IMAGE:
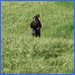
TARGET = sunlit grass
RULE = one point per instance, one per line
(52, 52)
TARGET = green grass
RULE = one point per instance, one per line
(52, 53)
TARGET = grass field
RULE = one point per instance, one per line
(52, 53)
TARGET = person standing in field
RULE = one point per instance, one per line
(36, 26)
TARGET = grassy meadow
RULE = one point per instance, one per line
(53, 52)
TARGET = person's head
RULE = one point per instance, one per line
(35, 18)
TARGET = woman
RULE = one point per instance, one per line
(36, 26)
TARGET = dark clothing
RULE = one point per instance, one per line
(36, 26)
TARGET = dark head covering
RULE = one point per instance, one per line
(38, 15)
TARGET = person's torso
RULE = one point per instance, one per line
(36, 24)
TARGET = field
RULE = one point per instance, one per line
(53, 52)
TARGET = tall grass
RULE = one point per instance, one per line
(52, 53)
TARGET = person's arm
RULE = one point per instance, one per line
(31, 24)
(40, 25)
